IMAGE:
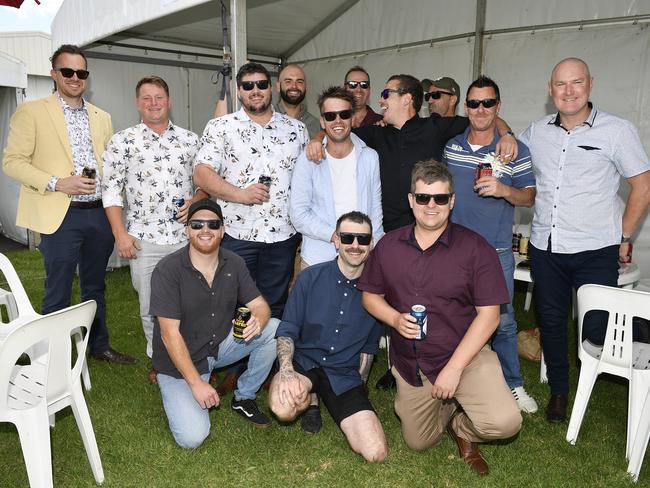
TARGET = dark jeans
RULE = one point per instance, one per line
(85, 239)
(555, 275)
(270, 265)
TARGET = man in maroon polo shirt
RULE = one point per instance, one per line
(456, 275)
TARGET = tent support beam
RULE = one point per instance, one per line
(238, 47)
(479, 30)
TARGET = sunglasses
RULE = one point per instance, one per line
(439, 198)
(487, 103)
(348, 238)
(261, 84)
(436, 95)
(331, 116)
(385, 93)
(82, 74)
(353, 84)
(198, 224)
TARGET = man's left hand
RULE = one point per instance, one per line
(181, 212)
(507, 148)
(446, 383)
(624, 253)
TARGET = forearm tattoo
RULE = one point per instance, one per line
(285, 350)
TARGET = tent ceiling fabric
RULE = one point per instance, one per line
(274, 26)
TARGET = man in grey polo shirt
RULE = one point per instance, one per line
(579, 232)
(292, 88)
(194, 293)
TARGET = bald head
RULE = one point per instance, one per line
(575, 63)
(292, 84)
(570, 88)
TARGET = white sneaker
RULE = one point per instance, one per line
(525, 402)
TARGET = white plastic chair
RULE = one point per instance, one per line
(32, 394)
(640, 443)
(618, 356)
(25, 312)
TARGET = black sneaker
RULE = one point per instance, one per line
(311, 421)
(248, 409)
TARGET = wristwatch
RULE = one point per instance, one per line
(625, 239)
(509, 133)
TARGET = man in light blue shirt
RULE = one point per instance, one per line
(346, 179)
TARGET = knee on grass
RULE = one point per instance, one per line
(373, 453)
(191, 439)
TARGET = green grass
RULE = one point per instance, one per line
(137, 449)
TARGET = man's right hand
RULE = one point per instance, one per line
(406, 325)
(290, 388)
(254, 194)
(127, 246)
(204, 394)
(76, 185)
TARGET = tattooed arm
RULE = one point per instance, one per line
(291, 389)
(365, 363)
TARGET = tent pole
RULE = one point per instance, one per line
(479, 30)
(238, 42)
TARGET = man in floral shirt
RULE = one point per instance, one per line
(487, 206)
(246, 160)
(151, 163)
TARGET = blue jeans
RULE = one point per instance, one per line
(84, 238)
(504, 340)
(188, 422)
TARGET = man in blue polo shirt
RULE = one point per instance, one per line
(487, 206)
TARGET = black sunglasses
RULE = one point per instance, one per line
(261, 84)
(331, 116)
(82, 74)
(385, 93)
(439, 198)
(348, 238)
(198, 224)
(353, 84)
(487, 103)
(436, 95)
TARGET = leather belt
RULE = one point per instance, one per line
(86, 205)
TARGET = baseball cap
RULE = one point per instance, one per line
(426, 84)
(205, 204)
(447, 83)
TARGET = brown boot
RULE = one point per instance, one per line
(470, 453)
(228, 384)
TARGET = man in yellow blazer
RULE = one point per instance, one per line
(54, 149)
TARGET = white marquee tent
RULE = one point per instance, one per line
(516, 42)
(13, 80)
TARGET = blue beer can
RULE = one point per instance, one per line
(177, 202)
(420, 314)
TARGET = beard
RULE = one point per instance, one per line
(292, 100)
(202, 247)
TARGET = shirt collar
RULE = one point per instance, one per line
(409, 236)
(64, 104)
(339, 276)
(590, 120)
(278, 108)
(187, 262)
(146, 128)
(242, 116)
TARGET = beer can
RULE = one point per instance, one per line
(265, 180)
(242, 316)
(483, 169)
(420, 314)
(515, 242)
(177, 202)
(89, 172)
(523, 246)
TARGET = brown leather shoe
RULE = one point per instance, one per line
(110, 355)
(556, 408)
(228, 384)
(470, 453)
(153, 376)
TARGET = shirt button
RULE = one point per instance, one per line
(337, 331)
(339, 282)
(324, 359)
(557, 187)
(212, 314)
(332, 348)
(345, 294)
(212, 293)
(341, 312)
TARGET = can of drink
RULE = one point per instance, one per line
(523, 246)
(265, 180)
(420, 314)
(515, 242)
(89, 172)
(482, 169)
(177, 202)
(242, 316)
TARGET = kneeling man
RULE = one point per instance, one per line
(326, 341)
(194, 293)
(455, 274)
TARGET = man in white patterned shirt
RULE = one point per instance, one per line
(151, 163)
(246, 160)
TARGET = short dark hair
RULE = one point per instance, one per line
(356, 68)
(335, 92)
(356, 217)
(484, 82)
(67, 49)
(431, 171)
(252, 68)
(152, 80)
(410, 84)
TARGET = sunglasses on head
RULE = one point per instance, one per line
(353, 84)
(439, 198)
(487, 103)
(436, 95)
(261, 84)
(198, 224)
(385, 93)
(331, 116)
(82, 74)
(348, 238)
